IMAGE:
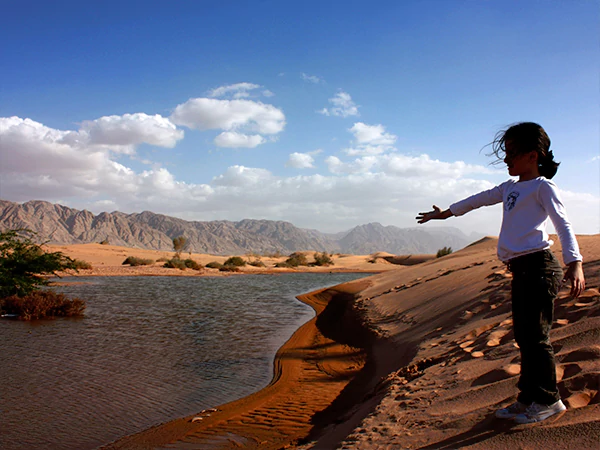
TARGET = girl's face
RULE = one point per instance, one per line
(522, 165)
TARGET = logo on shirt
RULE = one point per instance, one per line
(511, 200)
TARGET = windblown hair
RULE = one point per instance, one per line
(526, 137)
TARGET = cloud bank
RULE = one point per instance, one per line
(370, 180)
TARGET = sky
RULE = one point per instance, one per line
(325, 114)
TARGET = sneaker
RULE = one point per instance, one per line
(511, 411)
(536, 412)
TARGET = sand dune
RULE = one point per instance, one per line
(416, 357)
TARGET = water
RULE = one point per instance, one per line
(149, 349)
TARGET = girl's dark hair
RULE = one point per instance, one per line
(526, 137)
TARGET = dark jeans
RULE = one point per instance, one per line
(536, 281)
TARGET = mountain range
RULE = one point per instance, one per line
(59, 224)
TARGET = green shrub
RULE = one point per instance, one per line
(443, 252)
(322, 259)
(297, 259)
(41, 304)
(229, 268)
(191, 264)
(24, 265)
(257, 263)
(176, 263)
(236, 261)
(214, 265)
(135, 261)
(80, 264)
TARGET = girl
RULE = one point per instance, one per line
(524, 246)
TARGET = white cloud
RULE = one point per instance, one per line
(372, 134)
(233, 139)
(238, 90)
(311, 78)
(132, 129)
(38, 162)
(300, 161)
(229, 115)
(343, 106)
(370, 140)
(267, 93)
(240, 176)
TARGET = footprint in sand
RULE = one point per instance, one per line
(582, 354)
(583, 382)
(496, 375)
(581, 390)
(565, 371)
(581, 399)
(466, 344)
(495, 338)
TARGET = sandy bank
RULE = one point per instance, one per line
(107, 260)
(446, 360)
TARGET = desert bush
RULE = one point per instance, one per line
(176, 263)
(283, 264)
(257, 263)
(297, 259)
(236, 261)
(81, 264)
(214, 265)
(104, 242)
(443, 252)
(24, 265)
(191, 264)
(135, 261)
(322, 259)
(41, 304)
(163, 259)
(229, 268)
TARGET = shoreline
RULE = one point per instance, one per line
(285, 411)
(106, 260)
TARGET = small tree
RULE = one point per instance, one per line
(179, 244)
(322, 259)
(443, 252)
(23, 263)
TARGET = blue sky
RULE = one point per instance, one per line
(327, 114)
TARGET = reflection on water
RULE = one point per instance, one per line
(149, 349)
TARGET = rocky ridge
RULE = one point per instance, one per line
(63, 225)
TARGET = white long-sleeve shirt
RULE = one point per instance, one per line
(527, 206)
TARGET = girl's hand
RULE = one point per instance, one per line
(575, 276)
(437, 213)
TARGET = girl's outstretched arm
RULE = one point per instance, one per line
(436, 214)
(575, 275)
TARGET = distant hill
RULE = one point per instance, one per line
(62, 225)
